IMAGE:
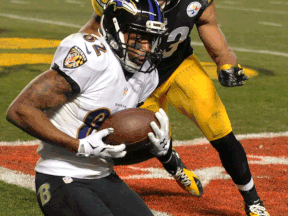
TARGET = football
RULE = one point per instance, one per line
(131, 127)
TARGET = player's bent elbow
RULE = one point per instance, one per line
(11, 113)
(14, 113)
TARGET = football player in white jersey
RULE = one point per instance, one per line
(90, 78)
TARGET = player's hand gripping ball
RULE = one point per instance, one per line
(160, 138)
(93, 146)
(131, 127)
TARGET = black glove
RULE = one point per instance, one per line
(230, 76)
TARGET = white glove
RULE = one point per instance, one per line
(94, 146)
(161, 142)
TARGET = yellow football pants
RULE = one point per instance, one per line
(190, 90)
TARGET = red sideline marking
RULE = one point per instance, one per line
(268, 160)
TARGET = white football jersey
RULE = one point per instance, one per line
(96, 75)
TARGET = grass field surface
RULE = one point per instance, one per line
(257, 31)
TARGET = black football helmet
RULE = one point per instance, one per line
(143, 18)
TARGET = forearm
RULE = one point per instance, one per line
(225, 56)
(34, 122)
(214, 39)
(218, 48)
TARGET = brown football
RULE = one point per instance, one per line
(131, 127)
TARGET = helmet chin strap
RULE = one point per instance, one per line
(101, 30)
(108, 37)
(155, 43)
(121, 49)
(167, 2)
(115, 46)
(117, 28)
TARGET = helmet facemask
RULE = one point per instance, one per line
(164, 3)
(132, 39)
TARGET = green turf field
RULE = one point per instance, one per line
(256, 30)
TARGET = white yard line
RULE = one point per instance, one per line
(204, 141)
(17, 178)
(230, 2)
(19, 2)
(253, 10)
(75, 2)
(81, 4)
(270, 24)
(197, 141)
(268, 52)
(20, 143)
(51, 22)
(278, 3)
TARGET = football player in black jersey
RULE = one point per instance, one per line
(185, 84)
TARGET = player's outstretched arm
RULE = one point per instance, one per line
(213, 38)
(46, 91)
(219, 49)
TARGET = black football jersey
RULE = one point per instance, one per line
(180, 22)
